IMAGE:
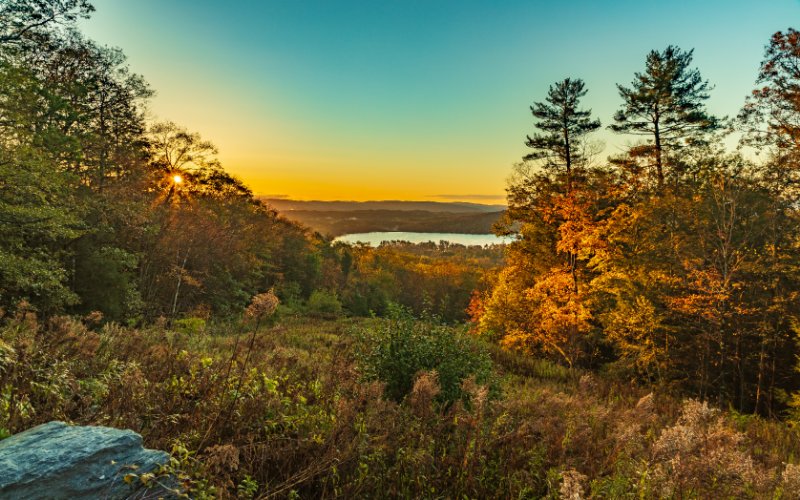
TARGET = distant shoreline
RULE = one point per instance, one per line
(284, 205)
(378, 237)
(338, 218)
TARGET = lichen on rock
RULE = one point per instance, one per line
(56, 460)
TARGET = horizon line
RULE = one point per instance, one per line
(286, 198)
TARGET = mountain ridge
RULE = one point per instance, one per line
(287, 205)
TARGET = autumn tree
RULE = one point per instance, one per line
(771, 115)
(175, 149)
(541, 301)
(83, 221)
(24, 18)
(543, 190)
(692, 287)
(771, 122)
(538, 304)
(562, 125)
(665, 103)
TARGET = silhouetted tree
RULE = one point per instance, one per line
(21, 18)
(667, 103)
(563, 127)
(771, 114)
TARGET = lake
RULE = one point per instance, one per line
(375, 239)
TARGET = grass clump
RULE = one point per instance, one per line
(398, 350)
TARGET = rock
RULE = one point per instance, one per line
(56, 460)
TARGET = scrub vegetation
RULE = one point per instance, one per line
(636, 339)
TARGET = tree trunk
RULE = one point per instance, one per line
(659, 164)
(178, 286)
(568, 157)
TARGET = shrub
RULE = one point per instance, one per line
(395, 351)
(262, 305)
(283, 413)
(190, 326)
(324, 304)
(290, 294)
(701, 455)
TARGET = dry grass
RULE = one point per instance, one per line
(296, 419)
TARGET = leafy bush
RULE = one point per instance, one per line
(324, 304)
(290, 294)
(396, 351)
(190, 326)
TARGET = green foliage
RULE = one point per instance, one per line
(323, 303)
(38, 215)
(291, 412)
(667, 104)
(397, 350)
(90, 215)
(22, 19)
(105, 280)
(190, 326)
(562, 126)
(368, 295)
(247, 488)
(290, 294)
(426, 278)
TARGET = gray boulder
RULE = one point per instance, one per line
(56, 460)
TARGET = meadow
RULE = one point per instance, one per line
(295, 407)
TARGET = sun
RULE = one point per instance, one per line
(177, 179)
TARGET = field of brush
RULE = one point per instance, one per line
(299, 407)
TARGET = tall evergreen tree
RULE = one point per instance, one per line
(666, 103)
(563, 126)
(771, 115)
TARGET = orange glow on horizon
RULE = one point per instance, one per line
(344, 181)
(286, 187)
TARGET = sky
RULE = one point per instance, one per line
(412, 99)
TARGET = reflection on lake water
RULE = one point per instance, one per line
(376, 238)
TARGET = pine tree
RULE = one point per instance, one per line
(771, 116)
(667, 103)
(563, 127)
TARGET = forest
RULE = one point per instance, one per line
(638, 338)
(340, 218)
(338, 223)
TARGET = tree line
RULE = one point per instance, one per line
(101, 209)
(675, 262)
(104, 210)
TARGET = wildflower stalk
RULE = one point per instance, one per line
(261, 306)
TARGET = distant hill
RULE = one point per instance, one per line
(335, 218)
(283, 205)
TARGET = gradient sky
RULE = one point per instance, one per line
(414, 99)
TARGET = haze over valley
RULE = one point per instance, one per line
(337, 218)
